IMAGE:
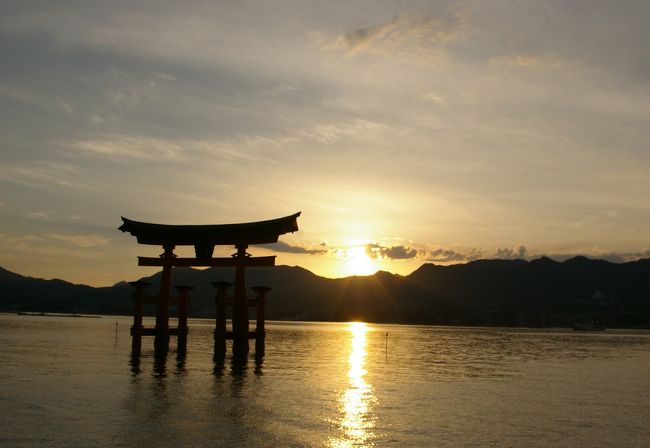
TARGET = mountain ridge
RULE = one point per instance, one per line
(539, 292)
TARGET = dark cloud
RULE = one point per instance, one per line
(445, 255)
(358, 36)
(614, 257)
(391, 253)
(507, 253)
(621, 257)
(281, 246)
(442, 255)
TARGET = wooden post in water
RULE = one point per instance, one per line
(240, 304)
(161, 341)
(138, 311)
(260, 332)
(261, 309)
(220, 324)
(183, 302)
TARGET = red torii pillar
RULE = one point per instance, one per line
(183, 304)
(260, 332)
(161, 341)
(240, 305)
(138, 311)
(220, 301)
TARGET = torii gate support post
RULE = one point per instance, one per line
(220, 301)
(138, 311)
(260, 332)
(240, 305)
(183, 302)
(161, 341)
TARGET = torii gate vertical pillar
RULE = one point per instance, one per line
(260, 332)
(220, 325)
(240, 305)
(183, 305)
(138, 311)
(161, 341)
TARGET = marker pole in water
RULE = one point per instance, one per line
(386, 346)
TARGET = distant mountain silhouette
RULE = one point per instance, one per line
(541, 292)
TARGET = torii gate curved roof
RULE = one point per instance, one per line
(260, 232)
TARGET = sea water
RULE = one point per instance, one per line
(71, 382)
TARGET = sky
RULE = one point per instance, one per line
(405, 132)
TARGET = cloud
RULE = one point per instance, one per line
(445, 255)
(37, 99)
(391, 253)
(436, 99)
(613, 256)
(622, 257)
(129, 147)
(42, 216)
(29, 246)
(525, 61)
(40, 173)
(266, 148)
(281, 246)
(82, 240)
(507, 253)
(442, 255)
(244, 148)
(420, 36)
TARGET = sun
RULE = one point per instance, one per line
(357, 262)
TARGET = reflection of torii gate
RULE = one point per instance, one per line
(204, 238)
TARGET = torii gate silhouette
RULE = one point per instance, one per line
(204, 238)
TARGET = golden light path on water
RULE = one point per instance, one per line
(356, 423)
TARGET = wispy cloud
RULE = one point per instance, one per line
(37, 99)
(242, 148)
(41, 173)
(436, 99)
(417, 36)
(29, 246)
(261, 147)
(82, 240)
(132, 148)
(281, 246)
(525, 61)
(42, 216)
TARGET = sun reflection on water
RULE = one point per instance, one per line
(356, 422)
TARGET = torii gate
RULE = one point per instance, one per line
(204, 238)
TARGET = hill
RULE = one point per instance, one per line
(541, 292)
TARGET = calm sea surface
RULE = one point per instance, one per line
(69, 382)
